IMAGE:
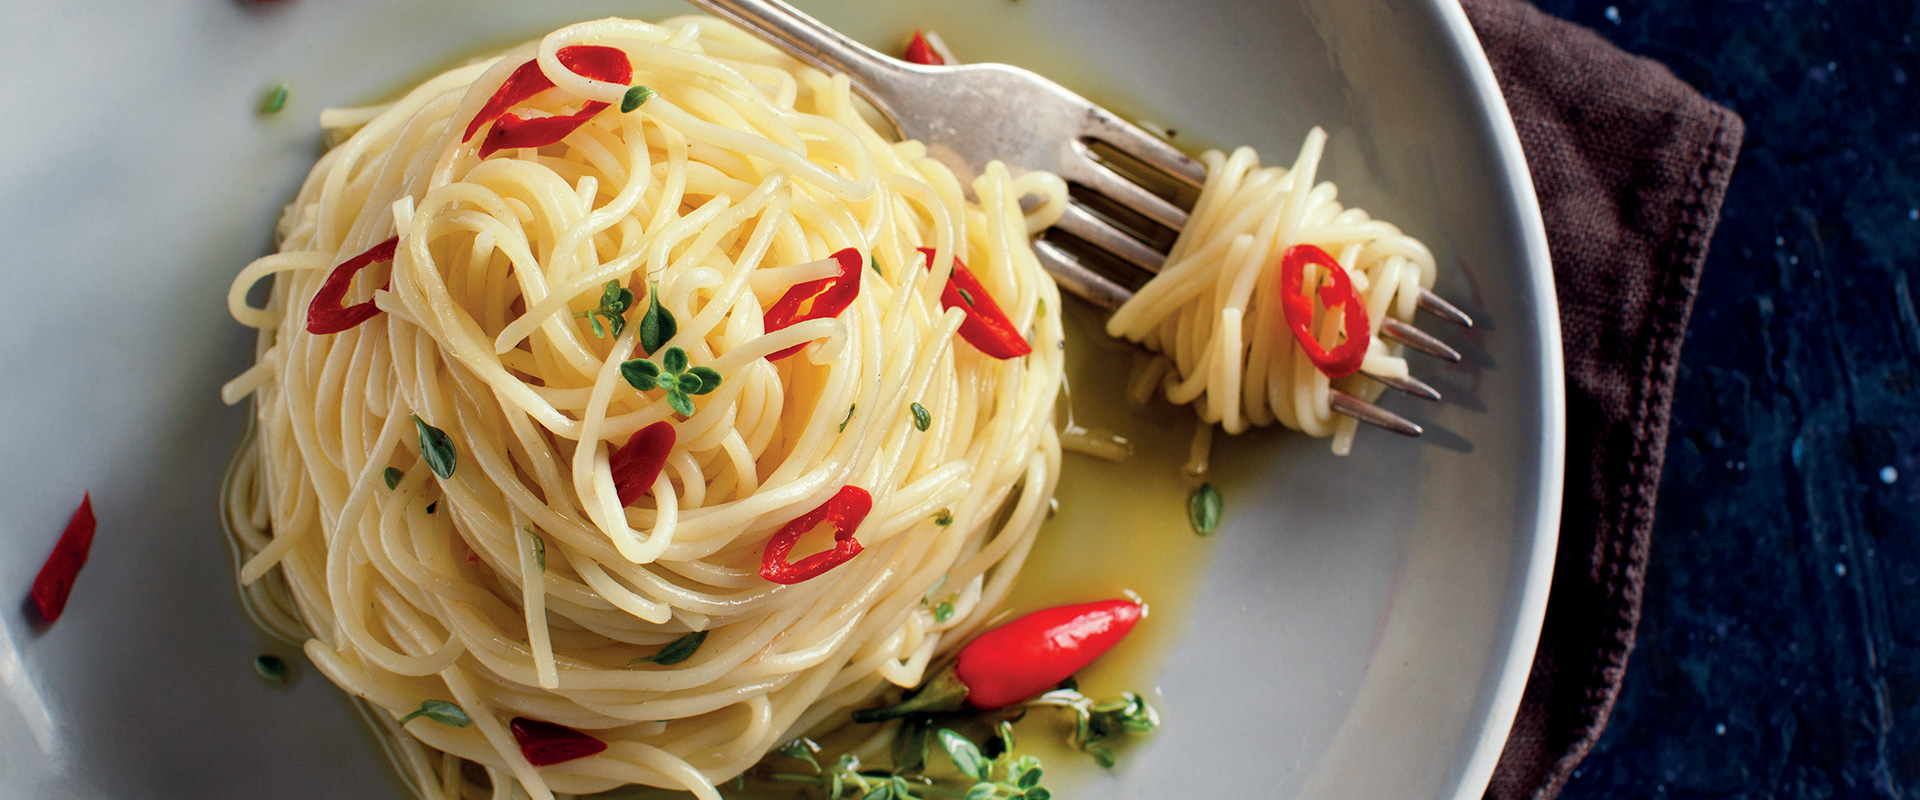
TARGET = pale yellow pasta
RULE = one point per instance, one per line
(1214, 312)
(720, 193)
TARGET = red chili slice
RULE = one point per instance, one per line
(844, 511)
(1345, 358)
(55, 581)
(637, 465)
(592, 61)
(987, 328)
(324, 314)
(830, 296)
(545, 744)
(919, 51)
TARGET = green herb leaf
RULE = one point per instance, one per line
(679, 401)
(1037, 793)
(921, 416)
(944, 518)
(910, 746)
(271, 668)
(1004, 736)
(393, 476)
(709, 379)
(674, 361)
(439, 711)
(690, 383)
(1025, 772)
(848, 418)
(983, 791)
(657, 326)
(276, 99)
(1203, 509)
(846, 766)
(614, 302)
(942, 611)
(965, 756)
(437, 448)
(965, 296)
(1102, 754)
(539, 548)
(640, 373)
(635, 97)
(883, 791)
(677, 651)
(802, 749)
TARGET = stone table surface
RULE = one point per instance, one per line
(1779, 652)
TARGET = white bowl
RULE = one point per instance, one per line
(1364, 630)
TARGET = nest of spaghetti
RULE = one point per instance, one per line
(572, 365)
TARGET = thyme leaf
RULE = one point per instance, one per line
(1203, 509)
(437, 447)
(439, 711)
(676, 651)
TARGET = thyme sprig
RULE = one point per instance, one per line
(673, 374)
(994, 772)
(614, 302)
(1095, 723)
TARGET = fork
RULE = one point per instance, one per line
(970, 114)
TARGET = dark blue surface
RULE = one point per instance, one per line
(1779, 651)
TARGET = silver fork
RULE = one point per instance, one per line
(971, 114)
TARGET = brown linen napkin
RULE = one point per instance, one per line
(1630, 165)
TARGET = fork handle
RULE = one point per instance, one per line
(872, 74)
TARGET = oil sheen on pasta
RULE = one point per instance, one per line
(432, 590)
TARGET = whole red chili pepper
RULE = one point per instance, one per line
(324, 314)
(55, 581)
(545, 743)
(986, 327)
(844, 511)
(1345, 358)
(920, 52)
(636, 466)
(830, 295)
(592, 61)
(1020, 659)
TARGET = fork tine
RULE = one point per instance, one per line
(1418, 339)
(1148, 149)
(1409, 384)
(1439, 307)
(1090, 174)
(1077, 279)
(1371, 414)
(1095, 231)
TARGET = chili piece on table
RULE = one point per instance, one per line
(1020, 659)
(830, 295)
(55, 582)
(599, 63)
(986, 327)
(844, 511)
(1344, 358)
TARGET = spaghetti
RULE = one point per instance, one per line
(499, 570)
(1215, 311)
